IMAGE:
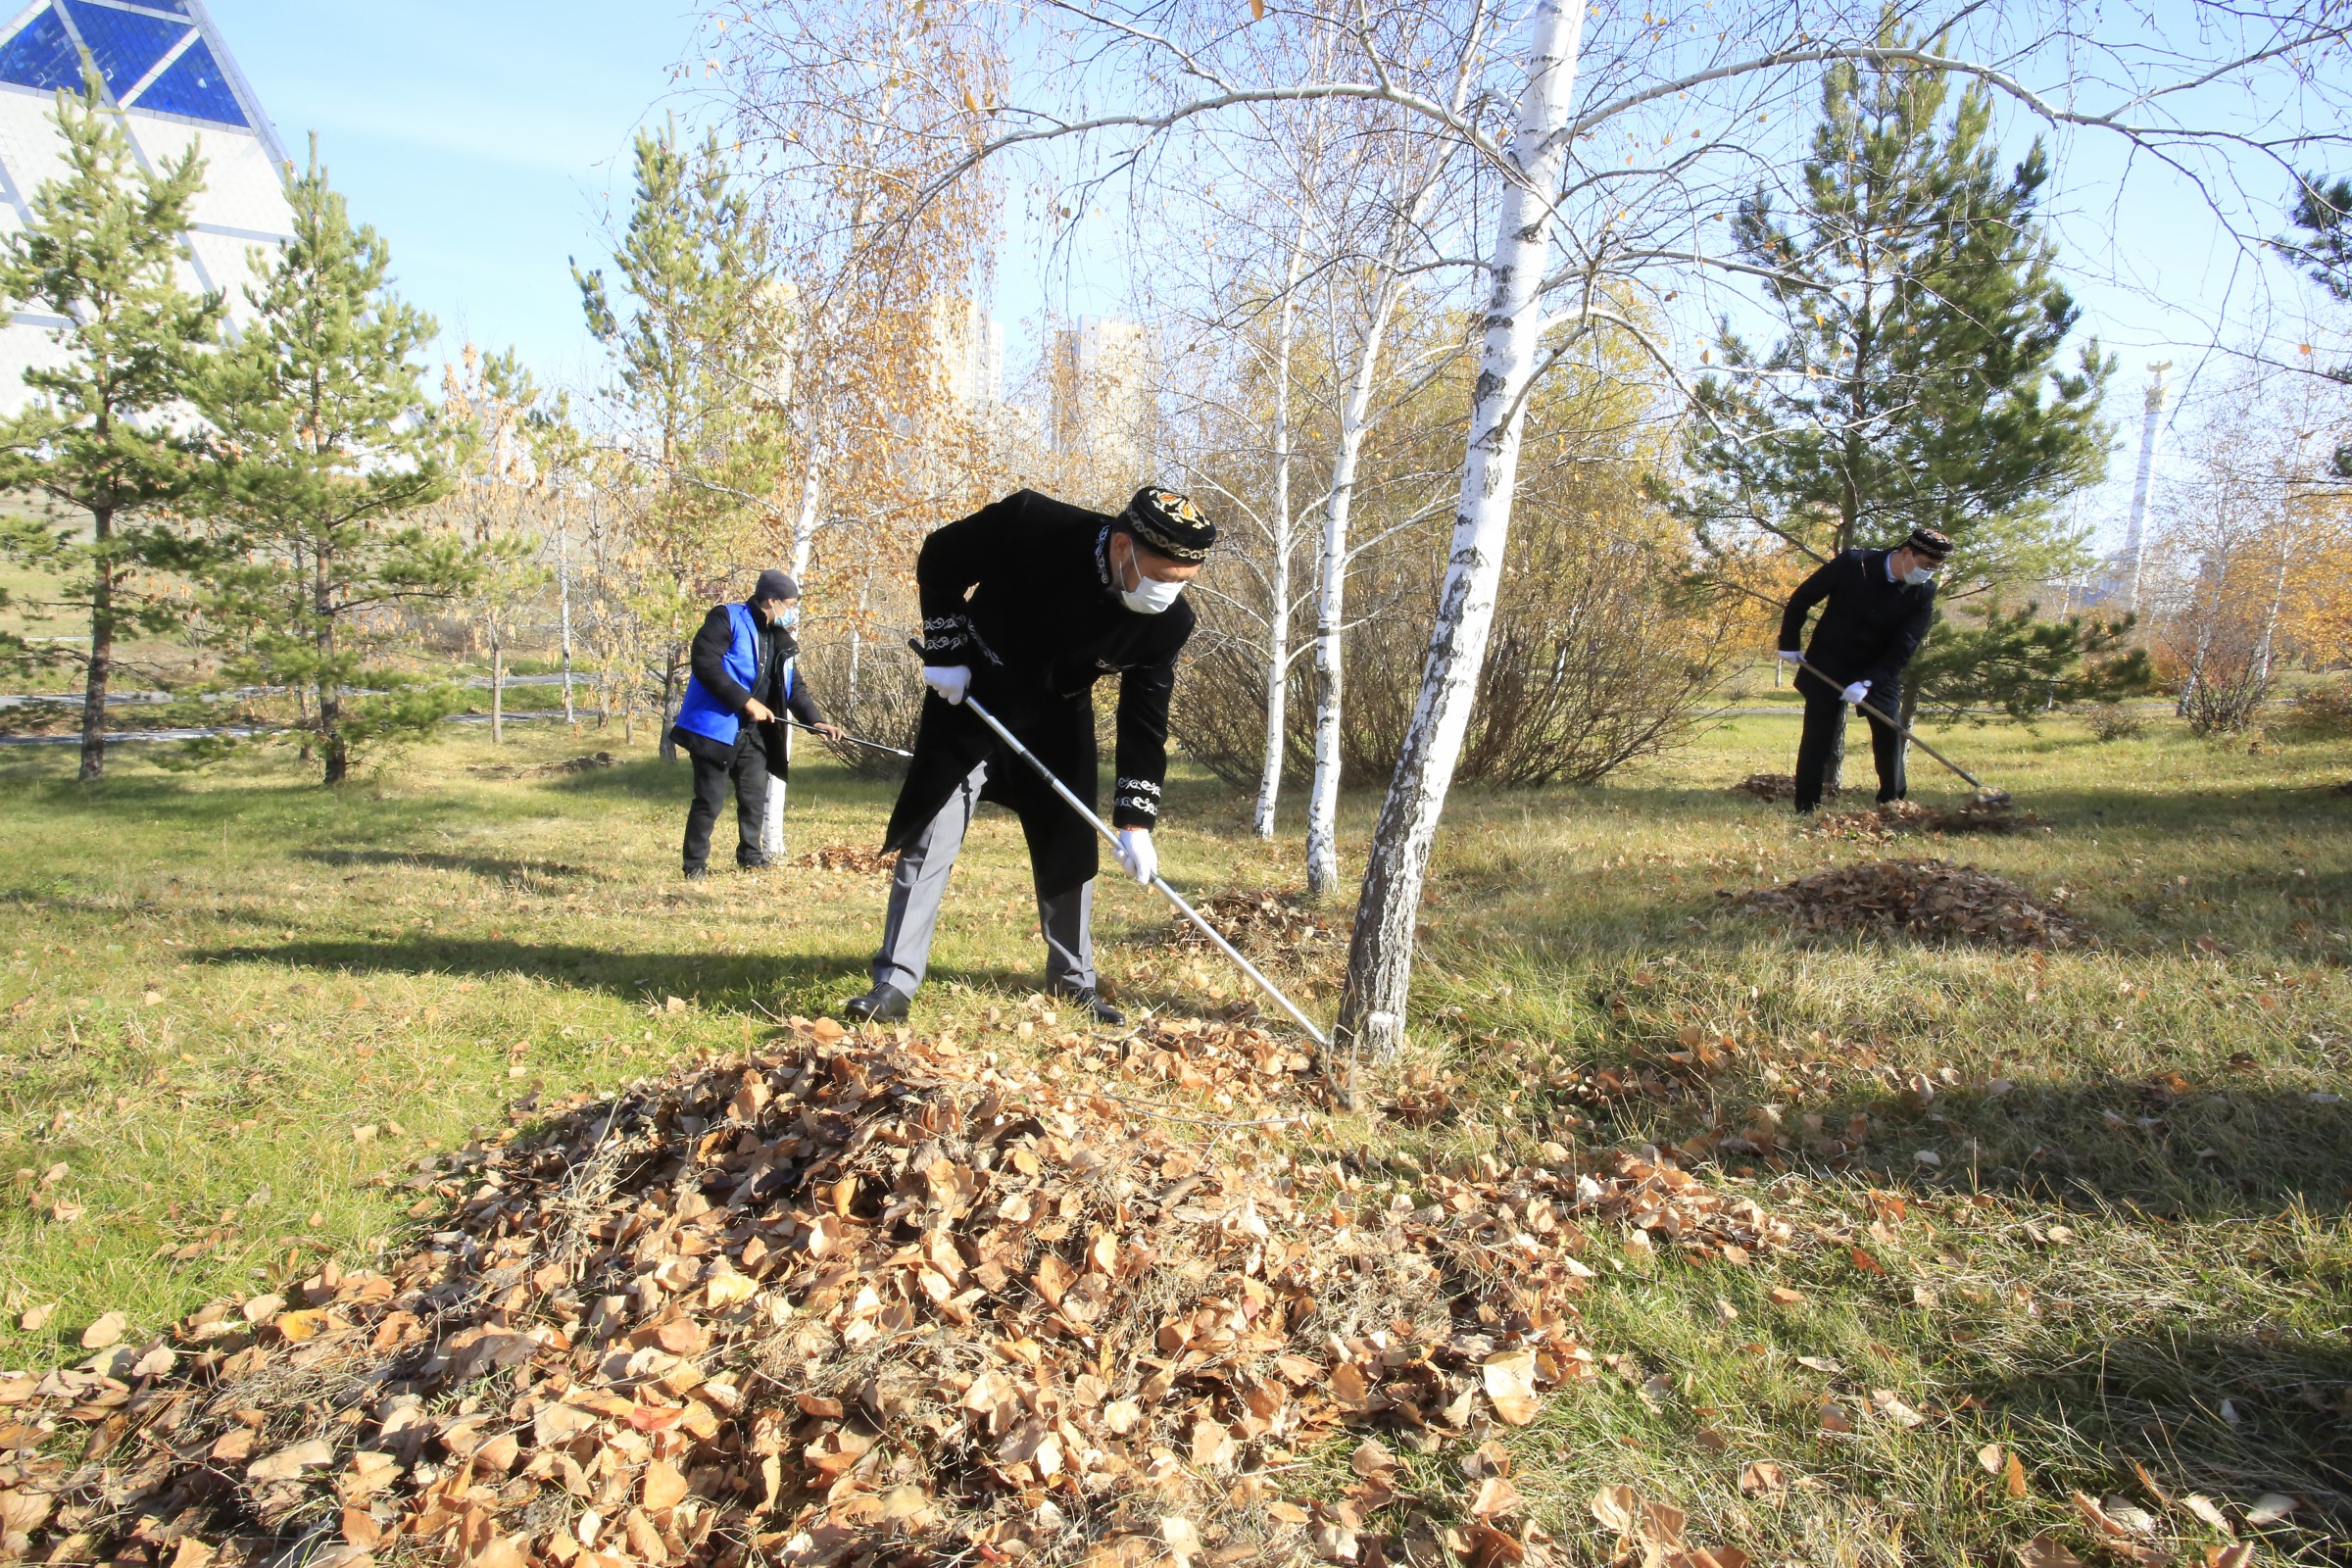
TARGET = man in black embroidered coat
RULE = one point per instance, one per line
(1880, 606)
(1026, 603)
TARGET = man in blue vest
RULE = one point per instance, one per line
(743, 678)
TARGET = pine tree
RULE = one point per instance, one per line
(2323, 212)
(328, 443)
(103, 435)
(1917, 377)
(695, 358)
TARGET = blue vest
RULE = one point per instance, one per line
(706, 715)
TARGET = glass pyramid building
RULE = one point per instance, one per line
(169, 75)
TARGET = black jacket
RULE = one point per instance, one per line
(708, 658)
(1020, 591)
(1872, 625)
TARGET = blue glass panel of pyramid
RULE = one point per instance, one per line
(178, 7)
(40, 55)
(194, 86)
(125, 44)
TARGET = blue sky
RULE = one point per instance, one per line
(479, 139)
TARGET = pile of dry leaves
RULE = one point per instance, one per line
(1921, 898)
(867, 1298)
(849, 858)
(1775, 787)
(1897, 817)
(1271, 927)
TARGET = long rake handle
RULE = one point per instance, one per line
(1160, 882)
(876, 746)
(1897, 725)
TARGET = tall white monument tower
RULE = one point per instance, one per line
(2136, 529)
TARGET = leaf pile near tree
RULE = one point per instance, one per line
(1775, 787)
(1894, 819)
(1933, 898)
(869, 1299)
(1267, 926)
(850, 858)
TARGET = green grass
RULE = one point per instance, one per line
(2130, 1248)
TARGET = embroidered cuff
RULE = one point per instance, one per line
(944, 635)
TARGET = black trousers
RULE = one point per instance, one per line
(746, 773)
(1824, 717)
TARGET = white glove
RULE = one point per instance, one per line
(1856, 692)
(1137, 853)
(950, 681)
(1790, 656)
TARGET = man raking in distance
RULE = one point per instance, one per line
(731, 724)
(1026, 603)
(1880, 606)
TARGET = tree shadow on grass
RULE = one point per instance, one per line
(491, 867)
(747, 982)
(2202, 1153)
(2234, 1415)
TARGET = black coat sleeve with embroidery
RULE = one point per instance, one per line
(1141, 756)
(947, 569)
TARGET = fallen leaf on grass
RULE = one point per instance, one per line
(2237, 1557)
(107, 1331)
(1763, 1479)
(1497, 1499)
(1510, 1379)
(2043, 1553)
(1784, 1295)
(2206, 1509)
(287, 1463)
(1617, 1509)
(1886, 1402)
(2270, 1507)
(37, 1319)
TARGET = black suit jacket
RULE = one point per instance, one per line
(1020, 591)
(1871, 626)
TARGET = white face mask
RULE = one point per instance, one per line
(1149, 595)
(1920, 576)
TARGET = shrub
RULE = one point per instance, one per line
(2111, 721)
(2325, 711)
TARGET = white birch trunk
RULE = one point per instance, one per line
(1380, 954)
(804, 542)
(1331, 597)
(1278, 581)
(563, 593)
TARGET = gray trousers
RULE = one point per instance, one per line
(920, 882)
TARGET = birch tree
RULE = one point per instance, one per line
(690, 327)
(1380, 950)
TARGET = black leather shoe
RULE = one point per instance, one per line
(882, 1004)
(698, 874)
(1090, 1000)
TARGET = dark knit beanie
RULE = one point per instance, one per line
(774, 584)
(1166, 523)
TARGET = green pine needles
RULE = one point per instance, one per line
(1919, 378)
(108, 431)
(325, 442)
